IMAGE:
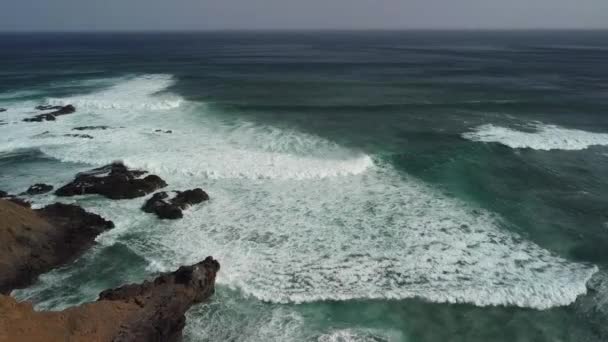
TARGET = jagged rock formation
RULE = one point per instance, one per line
(114, 181)
(166, 208)
(152, 311)
(38, 189)
(35, 241)
(52, 116)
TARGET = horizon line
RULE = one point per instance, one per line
(540, 29)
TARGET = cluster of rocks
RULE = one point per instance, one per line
(116, 181)
(36, 241)
(52, 116)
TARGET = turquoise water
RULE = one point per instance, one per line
(365, 186)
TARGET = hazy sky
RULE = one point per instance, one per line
(60, 15)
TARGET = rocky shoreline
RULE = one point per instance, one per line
(35, 241)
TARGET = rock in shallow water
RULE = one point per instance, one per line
(84, 136)
(59, 110)
(38, 189)
(90, 128)
(35, 241)
(114, 181)
(152, 311)
(166, 208)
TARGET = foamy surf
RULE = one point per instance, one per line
(296, 218)
(131, 93)
(544, 137)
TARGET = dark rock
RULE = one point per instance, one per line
(48, 107)
(114, 181)
(164, 302)
(40, 118)
(90, 128)
(59, 110)
(35, 241)
(38, 189)
(2, 110)
(171, 209)
(84, 136)
(153, 311)
(162, 131)
(3, 194)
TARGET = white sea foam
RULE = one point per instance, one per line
(134, 93)
(544, 137)
(360, 335)
(297, 218)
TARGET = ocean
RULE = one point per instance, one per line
(365, 186)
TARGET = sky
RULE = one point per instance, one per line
(119, 15)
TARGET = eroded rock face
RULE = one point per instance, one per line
(52, 116)
(152, 311)
(15, 199)
(171, 208)
(35, 241)
(38, 189)
(114, 181)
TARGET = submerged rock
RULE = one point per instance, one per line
(171, 209)
(84, 136)
(90, 128)
(35, 241)
(2, 110)
(38, 189)
(48, 107)
(114, 181)
(152, 311)
(58, 111)
(164, 131)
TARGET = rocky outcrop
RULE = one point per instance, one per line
(114, 181)
(38, 189)
(163, 131)
(35, 241)
(12, 198)
(52, 116)
(2, 110)
(171, 208)
(152, 311)
(90, 128)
